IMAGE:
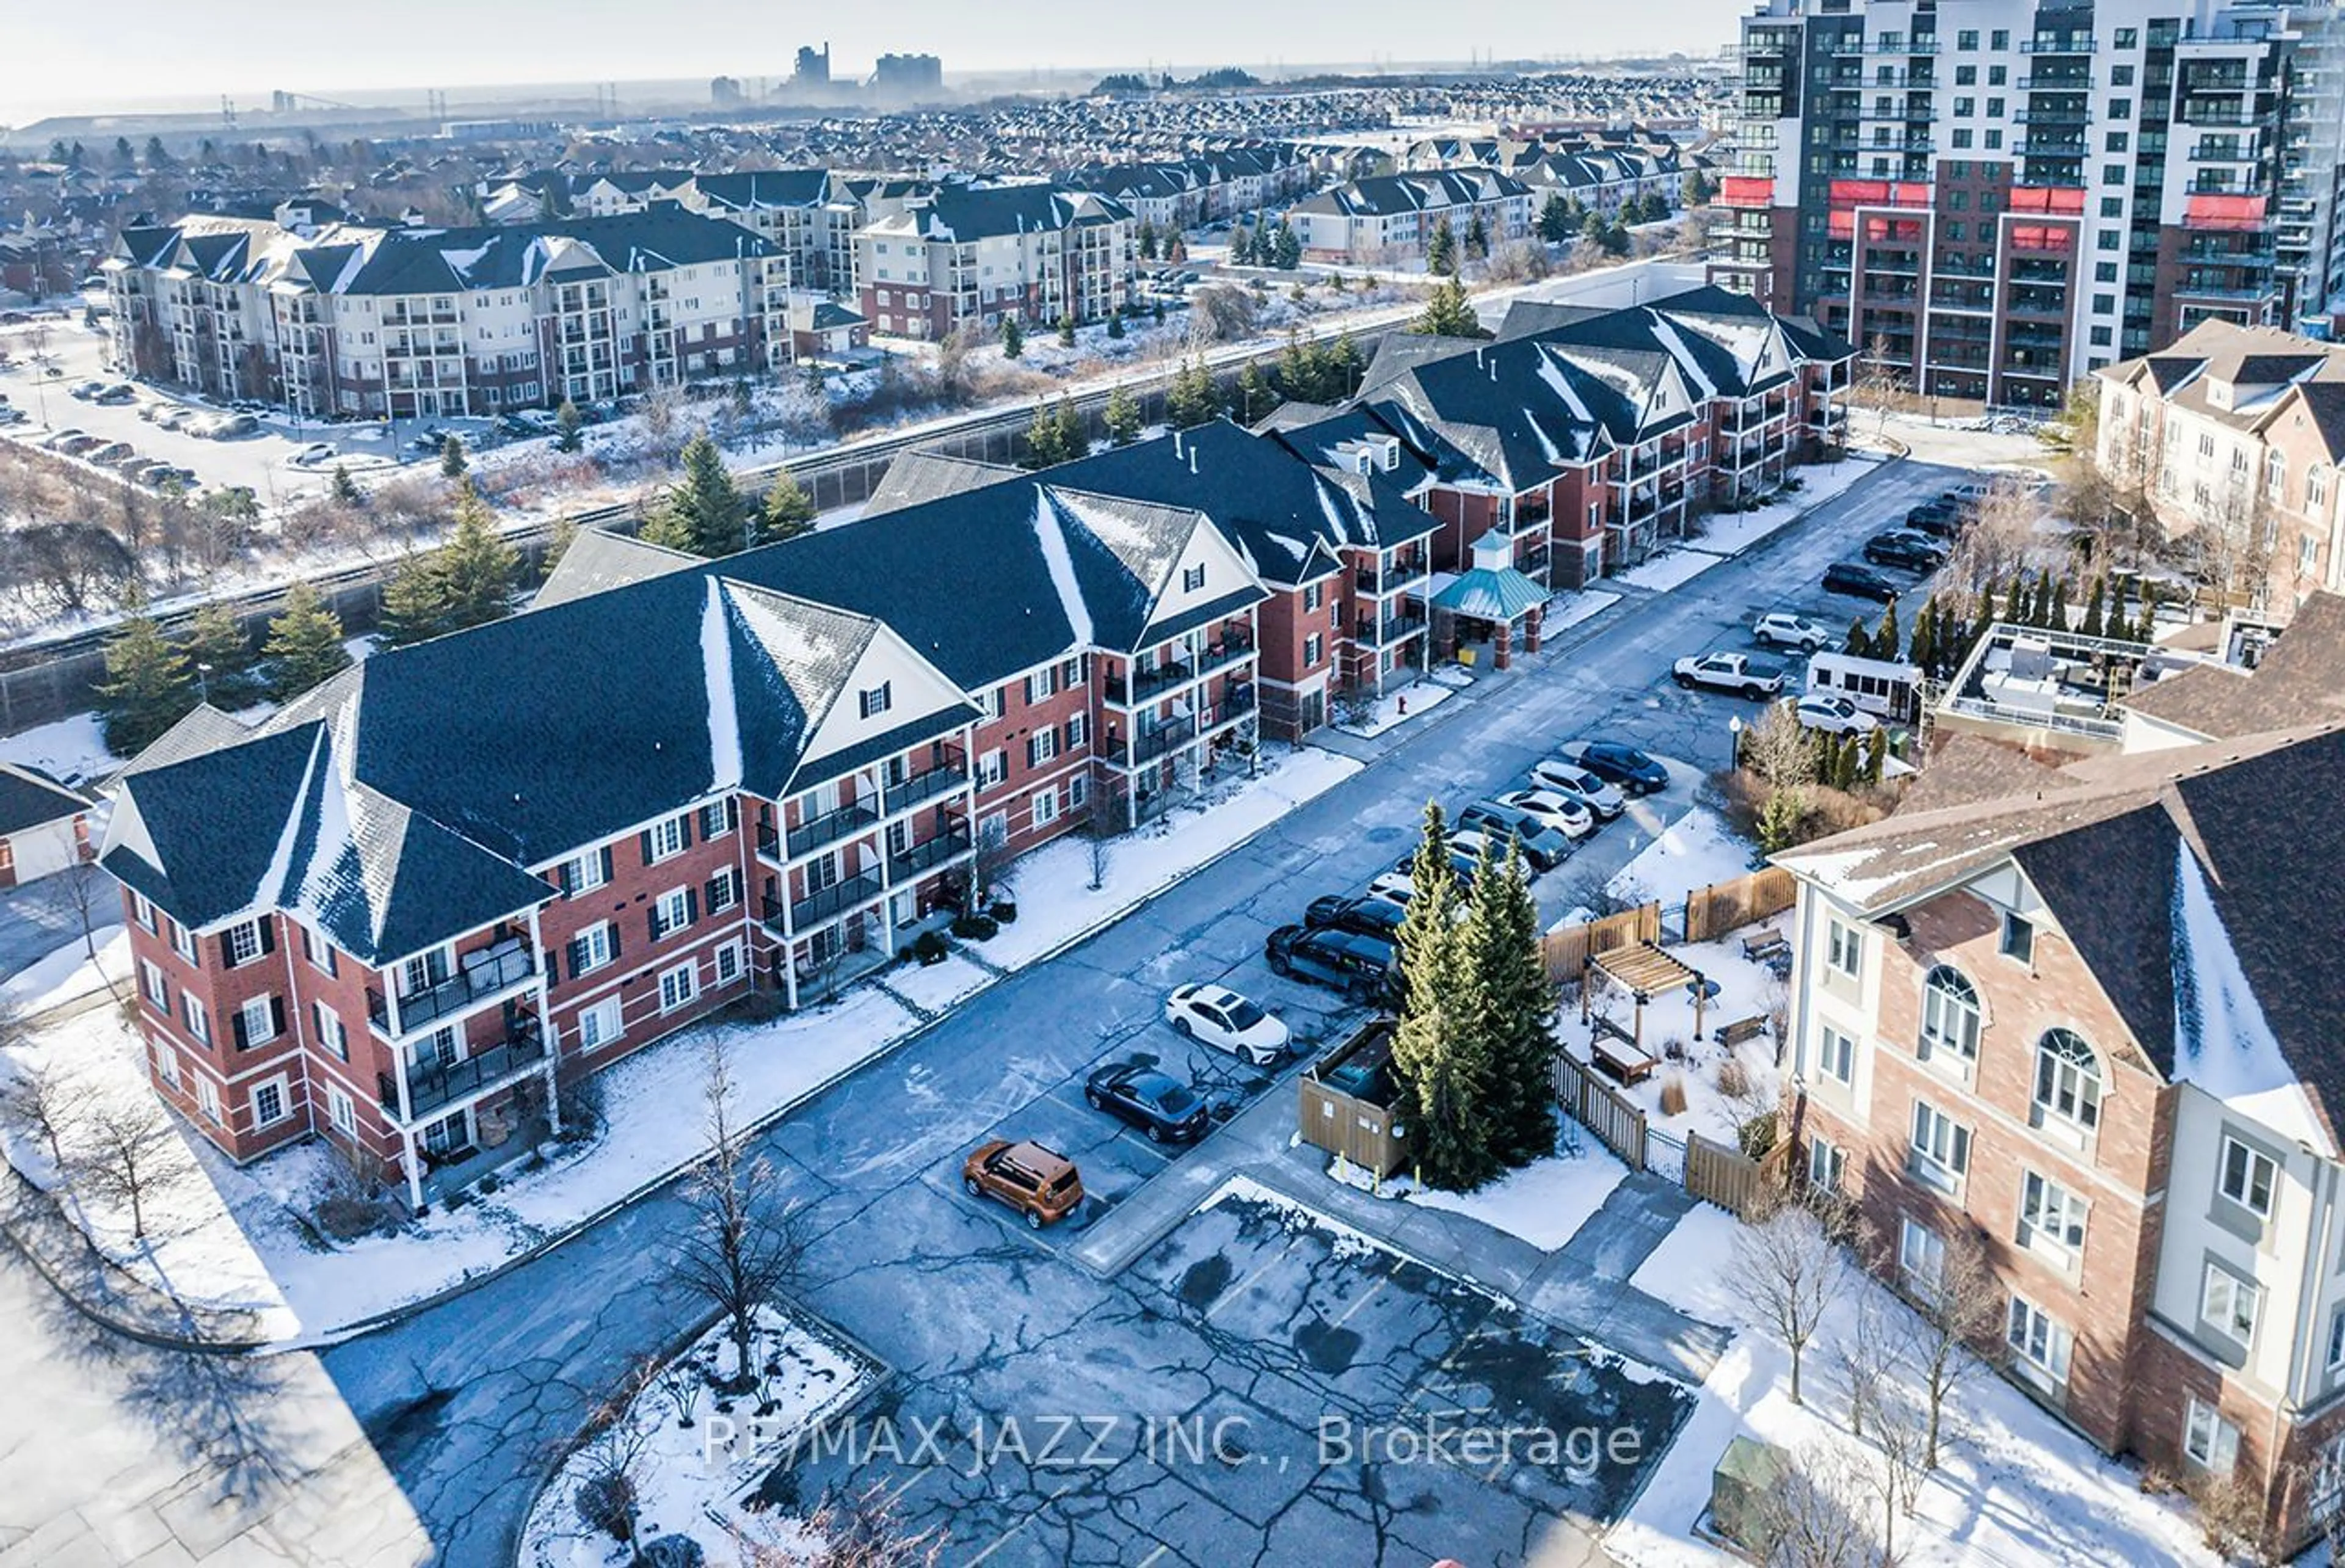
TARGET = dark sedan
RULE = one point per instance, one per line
(1376, 918)
(1858, 581)
(1166, 1110)
(1906, 551)
(1625, 766)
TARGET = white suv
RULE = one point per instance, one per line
(1779, 629)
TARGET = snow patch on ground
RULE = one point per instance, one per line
(1056, 902)
(1399, 707)
(936, 986)
(1695, 851)
(1566, 611)
(1659, 573)
(2015, 1486)
(1546, 1202)
(73, 750)
(690, 1473)
(1731, 533)
(67, 975)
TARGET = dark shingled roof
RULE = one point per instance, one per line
(2301, 681)
(598, 560)
(30, 798)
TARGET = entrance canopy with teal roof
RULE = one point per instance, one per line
(1498, 593)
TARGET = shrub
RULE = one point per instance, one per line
(930, 947)
(1004, 910)
(1757, 1135)
(975, 928)
(1734, 1078)
(348, 1218)
(604, 1502)
(672, 1551)
(489, 1185)
(1673, 1095)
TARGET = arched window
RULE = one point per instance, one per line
(2067, 1078)
(2275, 474)
(2316, 490)
(1949, 1014)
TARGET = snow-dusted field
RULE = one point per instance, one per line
(1545, 1202)
(65, 974)
(2015, 1487)
(695, 1459)
(1399, 707)
(1695, 851)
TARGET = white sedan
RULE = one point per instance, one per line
(1223, 1019)
(1836, 715)
(1548, 809)
(1576, 783)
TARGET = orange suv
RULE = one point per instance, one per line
(1038, 1183)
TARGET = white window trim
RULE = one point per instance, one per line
(258, 1015)
(2209, 1440)
(596, 940)
(2222, 1293)
(689, 973)
(341, 1111)
(605, 1012)
(284, 1101)
(1827, 1039)
(2255, 1157)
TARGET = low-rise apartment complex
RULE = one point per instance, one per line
(360, 321)
(1389, 220)
(2238, 433)
(970, 256)
(2086, 1017)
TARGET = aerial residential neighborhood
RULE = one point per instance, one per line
(1018, 789)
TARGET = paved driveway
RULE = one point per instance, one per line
(983, 1320)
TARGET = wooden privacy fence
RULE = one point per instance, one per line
(1567, 950)
(1618, 1123)
(1713, 911)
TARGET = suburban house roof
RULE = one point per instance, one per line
(2234, 375)
(1436, 190)
(2180, 875)
(2298, 682)
(30, 798)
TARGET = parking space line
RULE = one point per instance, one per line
(1232, 1292)
(1025, 1519)
(1370, 1294)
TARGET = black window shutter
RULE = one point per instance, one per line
(691, 904)
(277, 1015)
(646, 836)
(716, 891)
(683, 829)
(267, 933)
(561, 876)
(237, 1029)
(553, 967)
(606, 863)
(333, 962)
(651, 922)
(615, 939)
(227, 953)
(731, 811)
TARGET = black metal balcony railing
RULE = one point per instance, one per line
(433, 1085)
(1155, 743)
(815, 908)
(926, 786)
(1370, 580)
(929, 855)
(1391, 629)
(830, 827)
(1230, 650)
(478, 977)
(1235, 704)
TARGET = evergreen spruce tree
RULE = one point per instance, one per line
(1441, 250)
(1843, 773)
(1287, 254)
(1147, 241)
(1592, 227)
(1438, 1065)
(1254, 398)
(569, 428)
(477, 566)
(2047, 613)
(1447, 313)
(452, 462)
(1121, 417)
(789, 511)
(1860, 641)
(1888, 642)
(1876, 755)
(2015, 600)
(1074, 436)
(1515, 1006)
(2145, 629)
(1922, 652)
(1242, 247)
(1477, 238)
(148, 686)
(558, 543)
(1013, 338)
(415, 602)
(1115, 324)
(1042, 441)
(1344, 369)
(1156, 312)
(2094, 609)
(1554, 220)
(1192, 398)
(1066, 329)
(305, 644)
(706, 501)
(221, 657)
(346, 492)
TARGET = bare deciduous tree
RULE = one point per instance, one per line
(1805, 1520)
(1900, 1439)
(86, 897)
(993, 869)
(1099, 841)
(610, 1465)
(864, 1531)
(1780, 749)
(742, 1245)
(121, 1151)
(1957, 1320)
(1790, 1265)
(2000, 540)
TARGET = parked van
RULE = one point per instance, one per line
(1879, 686)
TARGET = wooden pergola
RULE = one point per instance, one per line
(1645, 971)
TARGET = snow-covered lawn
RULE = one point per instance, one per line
(653, 1121)
(938, 986)
(1659, 573)
(1055, 900)
(89, 1075)
(1545, 1202)
(2016, 1485)
(65, 973)
(71, 749)
(1695, 851)
(697, 1450)
(1568, 609)
(1399, 707)
(1732, 532)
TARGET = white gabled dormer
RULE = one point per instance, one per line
(1207, 568)
(889, 687)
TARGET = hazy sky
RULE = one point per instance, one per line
(68, 58)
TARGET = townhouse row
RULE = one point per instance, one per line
(407, 908)
(2075, 1012)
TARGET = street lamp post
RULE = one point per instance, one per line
(1734, 741)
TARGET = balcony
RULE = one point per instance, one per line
(1391, 629)
(1403, 574)
(830, 827)
(1153, 743)
(432, 1084)
(928, 856)
(2058, 43)
(1231, 649)
(1236, 703)
(807, 913)
(942, 779)
(482, 975)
